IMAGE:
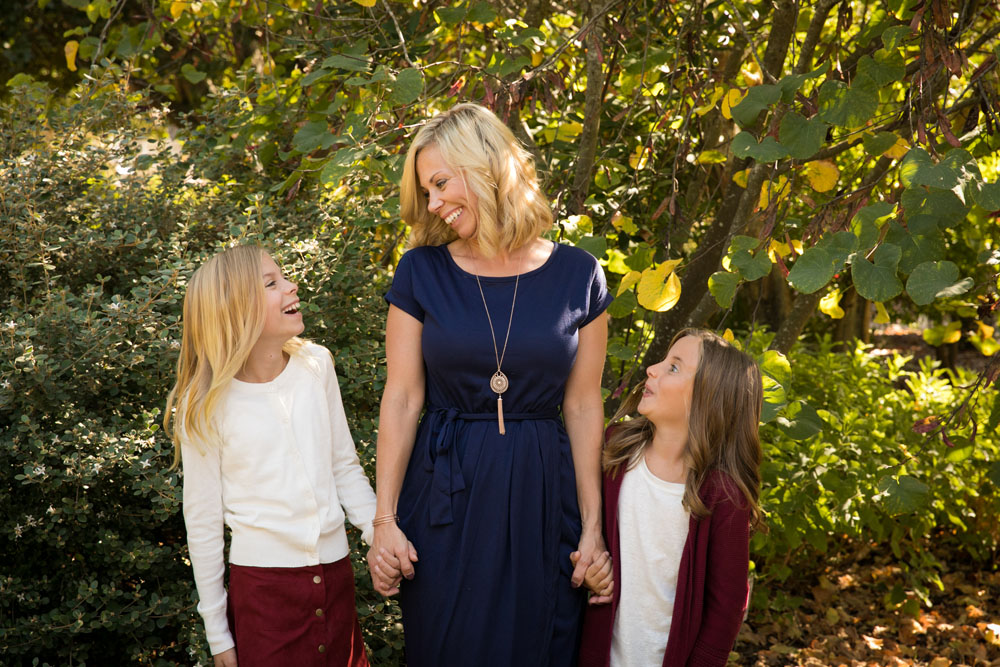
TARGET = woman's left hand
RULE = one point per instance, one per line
(591, 547)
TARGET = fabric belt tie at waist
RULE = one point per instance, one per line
(447, 471)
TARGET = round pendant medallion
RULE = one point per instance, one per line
(498, 382)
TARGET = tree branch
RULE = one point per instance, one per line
(593, 98)
(530, 74)
(805, 304)
(402, 42)
(822, 11)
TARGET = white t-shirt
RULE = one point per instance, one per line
(286, 471)
(652, 530)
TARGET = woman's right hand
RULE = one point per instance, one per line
(390, 558)
(226, 658)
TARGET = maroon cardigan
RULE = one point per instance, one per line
(712, 587)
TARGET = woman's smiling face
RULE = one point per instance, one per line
(447, 196)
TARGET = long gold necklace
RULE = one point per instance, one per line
(498, 382)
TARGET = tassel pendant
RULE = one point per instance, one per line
(500, 414)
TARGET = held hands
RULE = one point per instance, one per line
(390, 558)
(599, 577)
(226, 658)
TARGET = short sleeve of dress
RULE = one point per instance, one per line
(600, 297)
(401, 293)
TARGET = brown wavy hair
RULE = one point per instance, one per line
(726, 401)
(511, 208)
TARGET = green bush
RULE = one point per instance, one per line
(843, 464)
(100, 228)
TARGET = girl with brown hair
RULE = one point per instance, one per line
(681, 489)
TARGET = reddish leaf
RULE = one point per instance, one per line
(947, 440)
(946, 130)
(662, 207)
(618, 392)
(781, 264)
(926, 425)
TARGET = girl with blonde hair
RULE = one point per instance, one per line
(498, 337)
(681, 491)
(258, 424)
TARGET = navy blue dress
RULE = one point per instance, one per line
(494, 517)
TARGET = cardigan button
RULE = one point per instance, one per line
(319, 612)
(317, 579)
(322, 648)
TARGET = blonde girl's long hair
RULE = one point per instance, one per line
(495, 167)
(726, 401)
(222, 319)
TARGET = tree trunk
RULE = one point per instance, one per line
(583, 174)
(737, 206)
(802, 309)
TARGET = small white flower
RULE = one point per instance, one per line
(10, 324)
(114, 306)
(145, 463)
(50, 510)
(39, 471)
(18, 529)
(97, 467)
(5, 384)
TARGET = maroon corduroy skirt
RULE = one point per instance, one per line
(295, 616)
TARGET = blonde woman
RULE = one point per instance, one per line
(266, 450)
(498, 337)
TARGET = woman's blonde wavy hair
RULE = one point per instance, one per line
(511, 208)
(222, 319)
(726, 401)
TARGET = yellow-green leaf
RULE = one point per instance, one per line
(561, 20)
(624, 223)
(659, 287)
(630, 279)
(366, 3)
(881, 315)
(567, 131)
(639, 158)
(732, 98)
(177, 8)
(830, 304)
(711, 157)
(943, 333)
(751, 73)
(899, 150)
(712, 101)
(773, 191)
(822, 175)
(986, 346)
(72, 46)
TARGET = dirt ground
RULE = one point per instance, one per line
(843, 621)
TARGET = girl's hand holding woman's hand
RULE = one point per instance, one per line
(390, 558)
(599, 577)
(590, 549)
(226, 658)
